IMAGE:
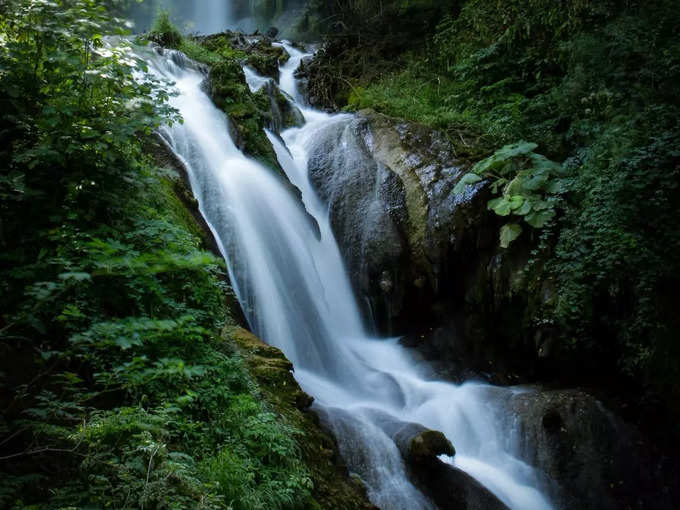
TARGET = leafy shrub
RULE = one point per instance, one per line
(529, 185)
(116, 384)
(164, 31)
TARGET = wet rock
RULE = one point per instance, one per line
(453, 489)
(367, 212)
(594, 459)
(283, 113)
(425, 446)
(272, 32)
(449, 487)
(388, 186)
(424, 261)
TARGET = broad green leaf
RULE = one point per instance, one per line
(516, 202)
(500, 206)
(465, 181)
(540, 162)
(535, 179)
(524, 210)
(513, 150)
(538, 219)
(509, 233)
(515, 186)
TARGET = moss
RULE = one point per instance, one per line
(249, 113)
(265, 58)
(222, 45)
(333, 488)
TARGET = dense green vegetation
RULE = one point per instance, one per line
(121, 381)
(117, 384)
(249, 113)
(592, 85)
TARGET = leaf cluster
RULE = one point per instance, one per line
(529, 185)
(117, 387)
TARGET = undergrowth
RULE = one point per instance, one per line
(117, 386)
(594, 86)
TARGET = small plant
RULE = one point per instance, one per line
(529, 185)
(164, 32)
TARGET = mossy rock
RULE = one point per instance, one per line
(265, 58)
(333, 486)
(248, 112)
(222, 44)
(427, 446)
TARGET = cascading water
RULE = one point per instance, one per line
(203, 16)
(296, 295)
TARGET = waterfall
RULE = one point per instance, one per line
(295, 292)
(201, 16)
(212, 16)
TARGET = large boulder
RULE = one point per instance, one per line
(392, 211)
(425, 262)
(594, 459)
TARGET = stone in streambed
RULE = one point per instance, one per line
(447, 486)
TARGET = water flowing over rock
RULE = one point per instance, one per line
(426, 262)
(294, 291)
(389, 189)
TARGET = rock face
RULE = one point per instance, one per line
(391, 209)
(594, 459)
(421, 258)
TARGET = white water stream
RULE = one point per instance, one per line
(296, 295)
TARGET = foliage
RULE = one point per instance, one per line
(595, 85)
(529, 185)
(164, 32)
(117, 387)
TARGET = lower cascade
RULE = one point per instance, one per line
(296, 295)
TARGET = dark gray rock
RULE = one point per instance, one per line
(453, 489)
(388, 187)
(447, 486)
(594, 459)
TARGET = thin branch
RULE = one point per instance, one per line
(47, 450)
